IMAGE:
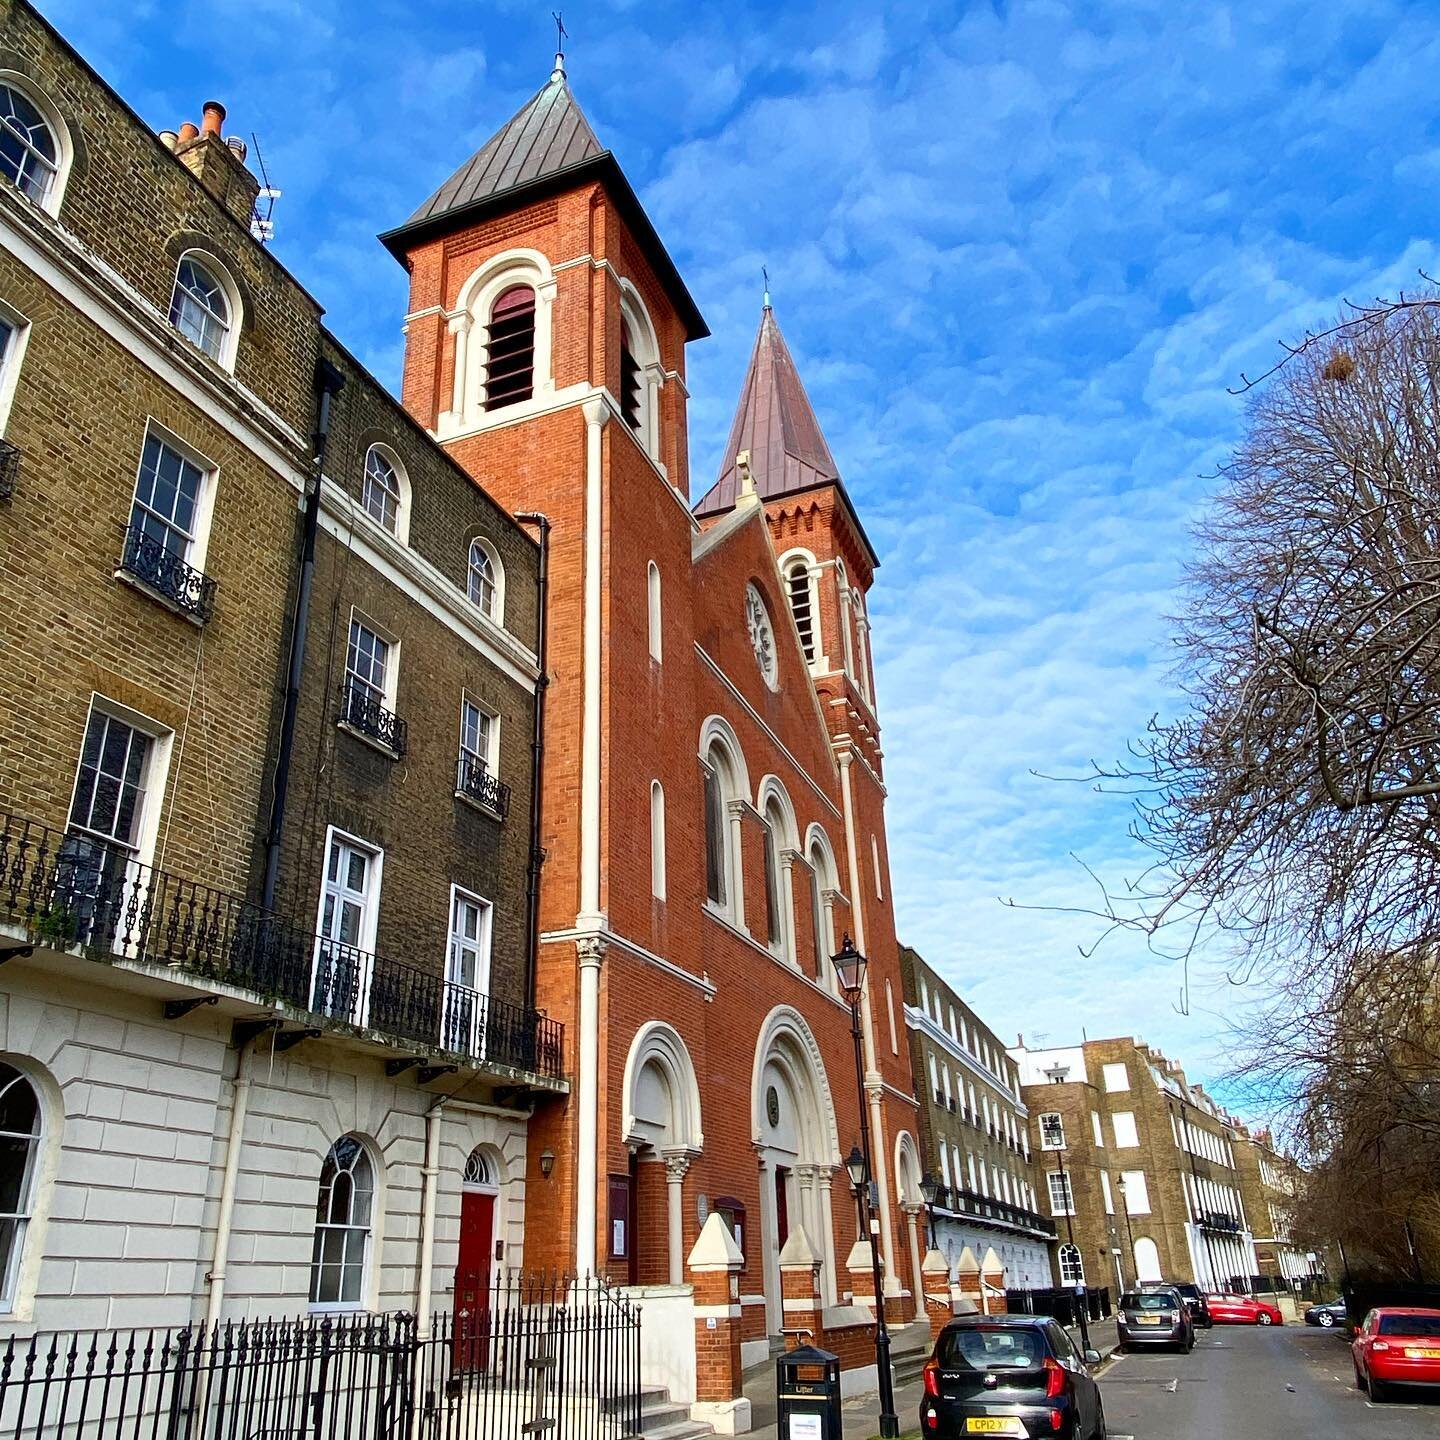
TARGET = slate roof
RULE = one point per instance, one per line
(548, 134)
(545, 146)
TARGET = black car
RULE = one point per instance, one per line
(1017, 1375)
(1157, 1316)
(1328, 1315)
(1193, 1297)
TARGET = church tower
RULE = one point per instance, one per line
(712, 793)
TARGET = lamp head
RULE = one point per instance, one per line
(849, 966)
(547, 1163)
(855, 1166)
(929, 1188)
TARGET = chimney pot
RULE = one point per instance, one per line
(212, 118)
(188, 131)
(169, 139)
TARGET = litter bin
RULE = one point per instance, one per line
(807, 1387)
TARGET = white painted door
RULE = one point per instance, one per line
(467, 975)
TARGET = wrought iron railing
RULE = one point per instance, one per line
(1218, 1220)
(476, 780)
(9, 468)
(72, 890)
(168, 574)
(559, 1359)
(362, 711)
(981, 1207)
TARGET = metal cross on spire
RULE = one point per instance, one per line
(764, 271)
(561, 35)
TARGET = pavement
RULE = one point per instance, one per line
(1262, 1383)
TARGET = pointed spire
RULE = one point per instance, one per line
(776, 423)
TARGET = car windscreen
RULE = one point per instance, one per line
(992, 1349)
(1147, 1301)
(1188, 1291)
(1409, 1325)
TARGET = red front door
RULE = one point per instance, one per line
(472, 1279)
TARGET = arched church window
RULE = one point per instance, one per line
(797, 590)
(510, 348)
(1072, 1267)
(714, 838)
(630, 381)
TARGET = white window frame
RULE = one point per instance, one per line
(1115, 1076)
(370, 1230)
(654, 627)
(24, 1217)
(198, 546)
(879, 888)
(473, 1018)
(60, 132)
(1048, 1140)
(1076, 1265)
(645, 351)
(1106, 1192)
(1062, 1192)
(490, 759)
(369, 917)
(386, 453)
(496, 611)
(657, 840)
(225, 283)
(1135, 1190)
(1098, 1129)
(388, 689)
(1125, 1129)
(12, 357)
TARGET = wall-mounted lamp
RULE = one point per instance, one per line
(547, 1163)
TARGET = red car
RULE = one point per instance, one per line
(1227, 1309)
(1397, 1345)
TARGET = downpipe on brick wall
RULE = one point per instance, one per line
(537, 754)
(328, 383)
(234, 1141)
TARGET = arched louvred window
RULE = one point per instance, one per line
(510, 348)
(797, 588)
(629, 380)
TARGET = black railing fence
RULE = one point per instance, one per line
(168, 574)
(361, 709)
(76, 890)
(475, 779)
(1064, 1304)
(554, 1358)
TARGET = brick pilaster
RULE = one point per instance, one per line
(935, 1274)
(715, 1264)
(800, 1291)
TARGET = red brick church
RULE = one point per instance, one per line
(713, 799)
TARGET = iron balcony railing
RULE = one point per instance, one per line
(476, 780)
(362, 711)
(73, 890)
(168, 574)
(981, 1207)
(9, 468)
(1218, 1220)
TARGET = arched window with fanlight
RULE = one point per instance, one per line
(200, 309)
(383, 494)
(1072, 1266)
(510, 348)
(344, 1217)
(29, 149)
(724, 782)
(630, 380)
(485, 579)
(20, 1136)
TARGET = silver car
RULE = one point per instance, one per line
(1154, 1317)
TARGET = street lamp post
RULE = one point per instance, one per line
(1129, 1229)
(929, 1193)
(1067, 1196)
(850, 968)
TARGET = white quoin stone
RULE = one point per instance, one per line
(798, 1250)
(716, 1248)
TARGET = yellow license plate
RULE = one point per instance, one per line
(993, 1425)
(1422, 1354)
(1151, 1320)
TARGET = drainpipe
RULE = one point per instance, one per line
(328, 381)
(537, 758)
(215, 1279)
(431, 1175)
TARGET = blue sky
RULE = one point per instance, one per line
(1019, 250)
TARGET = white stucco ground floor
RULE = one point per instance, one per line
(119, 1127)
(1026, 1258)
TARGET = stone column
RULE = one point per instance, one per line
(912, 1216)
(736, 878)
(831, 1287)
(676, 1165)
(786, 899)
(799, 1272)
(715, 1264)
(935, 1276)
(460, 329)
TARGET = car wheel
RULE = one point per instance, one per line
(1325, 1321)
(1263, 1318)
(1379, 1393)
(1099, 1420)
(1359, 1379)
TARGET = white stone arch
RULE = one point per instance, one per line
(659, 1045)
(471, 315)
(722, 757)
(798, 1145)
(485, 1170)
(793, 562)
(645, 348)
(64, 141)
(1147, 1260)
(477, 542)
(907, 1170)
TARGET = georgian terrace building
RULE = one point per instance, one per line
(974, 1133)
(267, 700)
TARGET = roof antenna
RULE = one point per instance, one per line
(262, 225)
(766, 273)
(561, 35)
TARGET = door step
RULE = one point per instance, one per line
(662, 1418)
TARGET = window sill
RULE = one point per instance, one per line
(465, 798)
(377, 745)
(161, 599)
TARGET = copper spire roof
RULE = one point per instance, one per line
(545, 147)
(547, 135)
(776, 423)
